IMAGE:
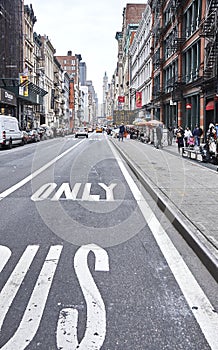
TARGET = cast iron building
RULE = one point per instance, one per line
(184, 53)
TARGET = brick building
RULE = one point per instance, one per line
(132, 15)
(182, 79)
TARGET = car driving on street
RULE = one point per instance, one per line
(81, 132)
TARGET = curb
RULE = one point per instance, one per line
(193, 236)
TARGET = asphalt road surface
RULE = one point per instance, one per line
(87, 260)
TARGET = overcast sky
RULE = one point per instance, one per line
(84, 27)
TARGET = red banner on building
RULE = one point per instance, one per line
(121, 99)
(138, 97)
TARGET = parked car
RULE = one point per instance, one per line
(25, 137)
(10, 133)
(41, 133)
(48, 131)
(67, 131)
(33, 135)
(60, 132)
(81, 132)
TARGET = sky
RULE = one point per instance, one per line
(83, 27)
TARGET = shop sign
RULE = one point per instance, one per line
(188, 106)
(7, 97)
(23, 87)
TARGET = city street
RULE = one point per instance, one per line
(89, 260)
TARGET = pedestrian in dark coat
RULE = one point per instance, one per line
(180, 137)
(121, 131)
(197, 133)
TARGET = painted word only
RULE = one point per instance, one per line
(50, 191)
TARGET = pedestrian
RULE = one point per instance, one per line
(187, 136)
(170, 136)
(197, 133)
(159, 133)
(211, 133)
(137, 133)
(180, 137)
(121, 131)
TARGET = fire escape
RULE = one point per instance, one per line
(209, 29)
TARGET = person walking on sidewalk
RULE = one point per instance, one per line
(170, 136)
(180, 137)
(187, 136)
(159, 133)
(121, 131)
(197, 133)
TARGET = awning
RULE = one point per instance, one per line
(35, 93)
(210, 106)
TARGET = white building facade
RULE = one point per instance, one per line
(141, 64)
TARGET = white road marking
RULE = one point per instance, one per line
(35, 308)
(21, 183)
(65, 189)
(43, 192)
(87, 196)
(5, 254)
(194, 295)
(96, 315)
(109, 190)
(67, 329)
(12, 285)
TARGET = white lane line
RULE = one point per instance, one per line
(15, 280)
(96, 314)
(5, 254)
(35, 308)
(21, 183)
(198, 302)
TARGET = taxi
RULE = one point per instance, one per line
(98, 129)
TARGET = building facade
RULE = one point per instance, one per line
(120, 83)
(36, 86)
(185, 61)
(71, 64)
(141, 67)
(173, 64)
(17, 75)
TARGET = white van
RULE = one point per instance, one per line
(10, 133)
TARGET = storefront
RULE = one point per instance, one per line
(8, 103)
(211, 111)
(24, 101)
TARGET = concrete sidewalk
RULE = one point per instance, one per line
(186, 191)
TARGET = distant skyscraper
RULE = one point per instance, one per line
(82, 66)
(105, 89)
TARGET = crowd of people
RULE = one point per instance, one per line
(188, 138)
(184, 137)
